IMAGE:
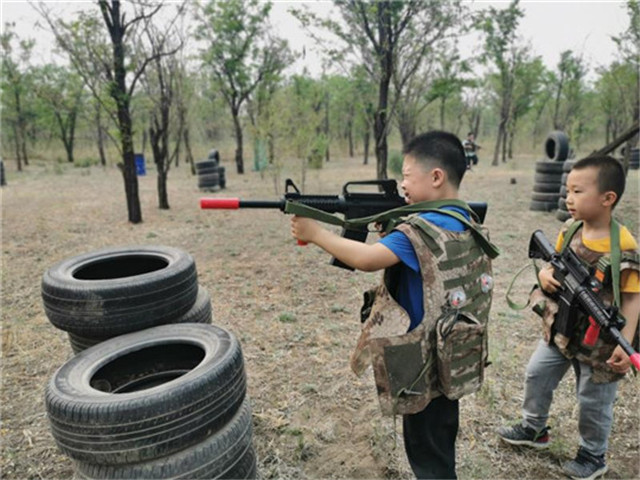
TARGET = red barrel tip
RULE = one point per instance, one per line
(635, 360)
(220, 203)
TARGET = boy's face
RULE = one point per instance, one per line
(585, 201)
(418, 181)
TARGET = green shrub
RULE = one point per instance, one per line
(85, 162)
(395, 163)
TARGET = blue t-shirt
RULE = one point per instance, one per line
(409, 288)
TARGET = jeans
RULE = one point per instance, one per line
(430, 439)
(546, 368)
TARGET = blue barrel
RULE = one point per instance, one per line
(140, 166)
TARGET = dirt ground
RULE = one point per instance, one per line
(296, 318)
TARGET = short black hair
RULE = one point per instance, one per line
(439, 149)
(611, 176)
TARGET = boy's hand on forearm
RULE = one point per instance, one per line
(547, 282)
(304, 229)
(619, 361)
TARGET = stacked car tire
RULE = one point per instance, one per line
(562, 214)
(548, 173)
(167, 400)
(211, 175)
(113, 291)
(634, 160)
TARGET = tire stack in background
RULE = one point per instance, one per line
(562, 214)
(548, 173)
(634, 160)
(167, 400)
(211, 175)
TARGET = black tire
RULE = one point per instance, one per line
(563, 178)
(562, 215)
(214, 155)
(567, 166)
(542, 206)
(634, 160)
(548, 178)
(545, 166)
(225, 454)
(545, 197)
(119, 290)
(205, 165)
(223, 177)
(562, 204)
(563, 191)
(147, 394)
(556, 147)
(546, 187)
(200, 312)
(210, 180)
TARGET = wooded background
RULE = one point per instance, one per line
(174, 81)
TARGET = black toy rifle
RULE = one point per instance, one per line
(578, 290)
(353, 203)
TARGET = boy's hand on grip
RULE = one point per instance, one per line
(303, 229)
(547, 281)
(619, 361)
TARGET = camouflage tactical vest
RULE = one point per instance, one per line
(574, 347)
(446, 353)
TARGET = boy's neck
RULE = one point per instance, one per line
(597, 227)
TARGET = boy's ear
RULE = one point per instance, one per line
(610, 198)
(438, 176)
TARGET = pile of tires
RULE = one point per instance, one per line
(164, 402)
(562, 214)
(548, 173)
(105, 293)
(634, 160)
(211, 175)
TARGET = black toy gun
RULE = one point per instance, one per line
(353, 203)
(579, 290)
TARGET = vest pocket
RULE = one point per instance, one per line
(461, 354)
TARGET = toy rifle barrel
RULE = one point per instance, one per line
(235, 203)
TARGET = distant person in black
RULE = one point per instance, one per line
(470, 147)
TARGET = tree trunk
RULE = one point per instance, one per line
(366, 141)
(187, 147)
(238, 131)
(163, 197)
(442, 109)
(17, 144)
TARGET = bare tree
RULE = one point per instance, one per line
(110, 67)
(15, 89)
(240, 52)
(389, 39)
(499, 27)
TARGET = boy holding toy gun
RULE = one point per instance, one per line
(594, 187)
(437, 278)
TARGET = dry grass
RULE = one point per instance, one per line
(295, 316)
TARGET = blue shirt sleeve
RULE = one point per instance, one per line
(399, 244)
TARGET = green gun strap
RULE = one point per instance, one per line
(616, 255)
(568, 235)
(303, 210)
(518, 306)
(421, 207)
